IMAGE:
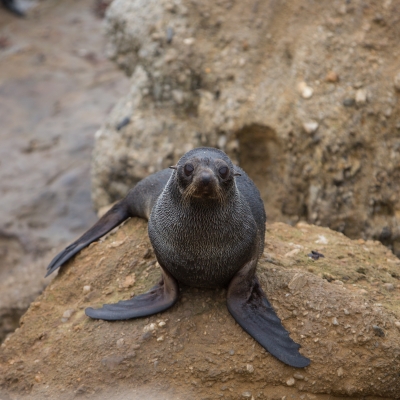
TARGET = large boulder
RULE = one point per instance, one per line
(303, 95)
(344, 309)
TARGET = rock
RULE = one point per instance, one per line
(310, 126)
(86, 289)
(388, 286)
(396, 82)
(46, 149)
(67, 315)
(361, 97)
(332, 76)
(349, 102)
(290, 382)
(250, 368)
(305, 90)
(132, 356)
(221, 101)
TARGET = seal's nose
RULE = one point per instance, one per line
(205, 178)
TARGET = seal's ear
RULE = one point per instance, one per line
(173, 167)
(237, 174)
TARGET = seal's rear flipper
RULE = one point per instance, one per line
(115, 216)
(252, 311)
(161, 297)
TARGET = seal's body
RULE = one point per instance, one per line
(206, 242)
(207, 227)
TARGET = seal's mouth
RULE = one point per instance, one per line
(204, 186)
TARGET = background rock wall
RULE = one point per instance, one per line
(302, 94)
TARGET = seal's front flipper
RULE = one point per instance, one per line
(161, 297)
(115, 216)
(252, 311)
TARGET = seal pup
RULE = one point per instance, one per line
(207, 227)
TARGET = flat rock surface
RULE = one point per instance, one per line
(343, 309)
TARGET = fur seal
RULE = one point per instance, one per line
(206, 223)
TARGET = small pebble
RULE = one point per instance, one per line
(38, 378)
(332, 77)
(339, 371)
(120, 342)
(361, 97)
(178, 96)
(189, 41)
(362, 291)
(311, 126)
(161, 324)
(305, 91)
(87, 289)
(346, 311)
(246, 394)
(388, 286)
(378, 331)
(298, 376)
(160, 338)
(250, 368)
(149, 327)
(335, 321)
(123, 123)
(170, 34)
(315, 255)
(397, 324)
(67, 315)
(349, 102)
(290, 382)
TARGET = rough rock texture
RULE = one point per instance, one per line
(304, 95)
(344, 309)
(56, 86)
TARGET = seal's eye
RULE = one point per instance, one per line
(188, 169)
(223, 171)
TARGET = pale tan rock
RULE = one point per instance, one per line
(200, 331)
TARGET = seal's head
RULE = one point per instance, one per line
(205, 173)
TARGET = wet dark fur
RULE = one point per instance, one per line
(220, 235)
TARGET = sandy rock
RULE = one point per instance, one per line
(197, 341)
(223, 81)
(396, 82)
